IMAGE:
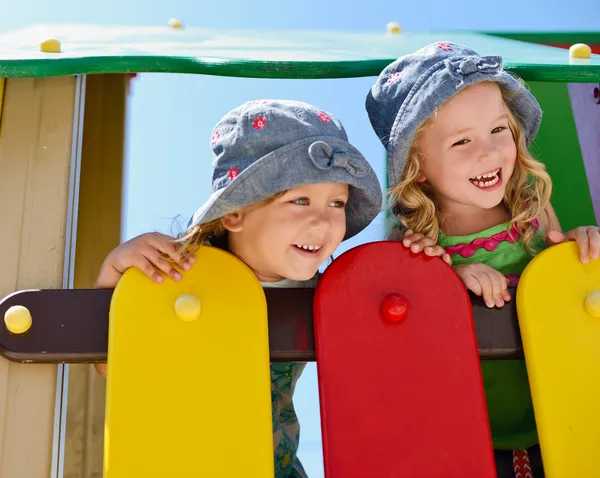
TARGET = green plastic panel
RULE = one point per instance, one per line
(260, 54)
(557, 146)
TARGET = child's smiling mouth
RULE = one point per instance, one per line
(487, 180)
(307, 248)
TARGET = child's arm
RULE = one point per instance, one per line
(587, 237)
(150, 253)
(419, 243)
(549, 221)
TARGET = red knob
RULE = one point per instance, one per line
(394, 307)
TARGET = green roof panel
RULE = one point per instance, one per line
(260, 53)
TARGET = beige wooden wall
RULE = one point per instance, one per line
(37, 153)
(60, 187)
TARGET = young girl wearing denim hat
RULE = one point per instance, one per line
(288, 187)
(457, 127)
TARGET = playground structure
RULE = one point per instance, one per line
(61, 152)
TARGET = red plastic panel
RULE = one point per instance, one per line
(401, 390)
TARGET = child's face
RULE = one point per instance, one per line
(468, 150)
(292, 235)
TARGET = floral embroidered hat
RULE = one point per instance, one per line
(264, 147)
(412, 88)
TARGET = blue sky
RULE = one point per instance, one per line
(171, 116)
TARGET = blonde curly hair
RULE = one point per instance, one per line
(527, 192)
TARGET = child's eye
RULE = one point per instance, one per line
(338, 204)
(461, 142)
(498, 129)
(301, 201)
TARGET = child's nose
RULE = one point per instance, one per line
(489, 152)
(321, 220)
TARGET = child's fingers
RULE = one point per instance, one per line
(472, 284)
(486, 282)
(143, 264)
(433, 251)
(183, 259)
(583, 241)
(594, 238)
(189, 256)
(419, 243)
(447, 259)
(185, 255)
(170, 248)
(411, 239)
(161, 263)
(426, 241)
(499, 284)
(487, 289)
(505, 293)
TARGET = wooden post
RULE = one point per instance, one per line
(39, 154)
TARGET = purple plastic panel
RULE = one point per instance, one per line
(585, 103)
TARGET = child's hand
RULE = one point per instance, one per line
(484, 281)
(150, 253)
(418, 242)
(587, 238)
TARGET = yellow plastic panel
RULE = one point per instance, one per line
(561, 340)
(189, 398)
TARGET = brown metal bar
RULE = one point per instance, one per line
(71, 326)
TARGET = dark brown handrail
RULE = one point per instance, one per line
(71, 326)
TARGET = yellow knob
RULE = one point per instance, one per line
(393, 27)
(592, 304)
(580, 50)
(50, 45)
(176, 24)
(17, 319)
(187, 307)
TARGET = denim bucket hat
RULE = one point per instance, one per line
(264, 147)
(412, 88)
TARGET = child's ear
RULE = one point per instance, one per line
(233, 222)
(421, 178)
